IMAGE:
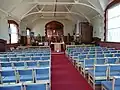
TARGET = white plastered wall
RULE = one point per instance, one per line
(23, 27)
(4, 32)
(4, 27)
(39, 26)
(98, 27)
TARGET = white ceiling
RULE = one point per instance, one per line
(31, 10)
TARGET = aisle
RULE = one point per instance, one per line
(65, 76)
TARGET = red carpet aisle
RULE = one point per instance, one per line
(65, 76)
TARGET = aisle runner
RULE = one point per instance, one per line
(65, 76)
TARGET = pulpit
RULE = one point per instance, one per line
(58, 46)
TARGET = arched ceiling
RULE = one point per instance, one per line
(31, 10)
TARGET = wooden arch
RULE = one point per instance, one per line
(54, 30)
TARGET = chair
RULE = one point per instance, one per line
(114, 70)
(42, 74)
(11, 55)
(31, 64)
(98, 74)
(111, 85)
(29, 54)
(11, 87)
(20, 55)
(37, 54)
(46, 54)
(91, 56)
(25, 59)
(36, 58)
(113, 51)
(108, 55)
(8, 76)
(26, 75)
(110, 49)
(6, 66)
(36, 87)
(3, 55)
(106, 52)
(116, 83)
(14, 59)
(100, 55)
(117, 55)
(19, 65)
(82, 56)
(86, 52)
(76, 53)
(4, 59)
(100, 52)
(106, 85)
(45, 58)
(92, 52)
(87, 65)
(112, 60)
(44, 63)
(100, 61)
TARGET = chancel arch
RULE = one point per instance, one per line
(54, 31)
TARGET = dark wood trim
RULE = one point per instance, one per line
(12, 21)
(115, 45)
(28, 28)
(114, 2)
(15, 45)
(55, 8)
(56, 22)
(111, 4)
(3, 45)
(105, 26)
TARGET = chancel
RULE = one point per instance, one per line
(59, 44)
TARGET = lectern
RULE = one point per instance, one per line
(57, 46)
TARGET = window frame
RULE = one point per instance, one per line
(13, 22)
(110, 5)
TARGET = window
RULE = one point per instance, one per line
(113, 24)
(28, 32)
(13, 31)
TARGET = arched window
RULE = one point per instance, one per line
(28, 31)
(28, 36)
(113, 23)
(13, 31)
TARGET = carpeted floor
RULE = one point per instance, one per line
(65, 76)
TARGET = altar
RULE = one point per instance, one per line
(58, 46)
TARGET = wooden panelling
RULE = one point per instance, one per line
(12, 46)
(86, 32)
(2, 45)
(23, 40)
(110, 44)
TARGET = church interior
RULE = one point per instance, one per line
(59, 44)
